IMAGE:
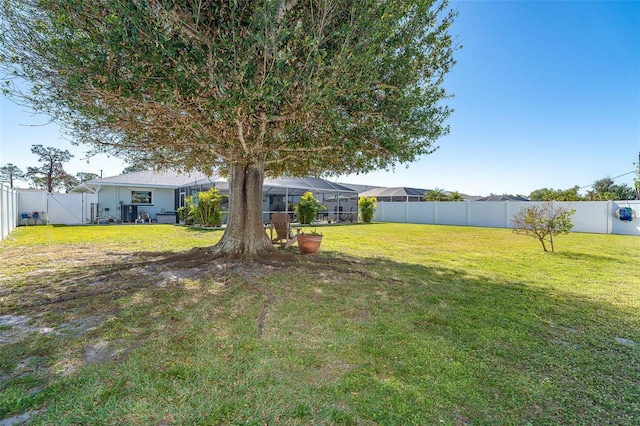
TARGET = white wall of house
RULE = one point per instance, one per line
(596, 217)
(112, 197)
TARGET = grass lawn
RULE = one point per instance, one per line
(394, 324)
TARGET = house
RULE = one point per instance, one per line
(281, 195)
(132, 196)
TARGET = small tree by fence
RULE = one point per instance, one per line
(543, 222)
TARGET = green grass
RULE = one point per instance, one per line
(400, 324)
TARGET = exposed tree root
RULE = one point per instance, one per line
(270, 299)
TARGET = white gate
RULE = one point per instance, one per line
(56, 208)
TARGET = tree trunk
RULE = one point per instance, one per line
(245, 236)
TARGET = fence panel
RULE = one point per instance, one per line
(622, 227)
(487, 214)
(421, 212)
(391, 212)
(451, 213)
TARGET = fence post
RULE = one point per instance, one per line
(435, 212)
(506, 214)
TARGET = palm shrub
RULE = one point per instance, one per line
(308, 207)
(205, 208)
(367, 207)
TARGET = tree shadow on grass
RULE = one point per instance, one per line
(586, 257)
(357, 339)
(199, 229)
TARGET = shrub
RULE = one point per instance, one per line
(183, 212)
(205, 208)
(307, 209)
(367, 207)
(543, 222)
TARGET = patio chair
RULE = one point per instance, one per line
(282, 224)
(142, 217)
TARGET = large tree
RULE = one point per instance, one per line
(248, 88)
(50, 175)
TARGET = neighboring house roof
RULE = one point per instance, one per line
(394, 192)
(359, 188)
(502, 198)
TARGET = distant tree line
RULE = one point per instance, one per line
(602, 190)
(50, 174)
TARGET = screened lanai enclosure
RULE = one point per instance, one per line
(282, 194)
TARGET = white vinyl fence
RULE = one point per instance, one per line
(8, 210)
(598, 217)
(56, 208)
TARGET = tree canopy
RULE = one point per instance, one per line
(50, 175)
(9, 173)
(249, 88)
(550, 194)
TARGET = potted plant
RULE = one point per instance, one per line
(309, 243)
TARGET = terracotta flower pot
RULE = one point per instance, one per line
(309, 244)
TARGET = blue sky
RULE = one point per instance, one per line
(547, 94)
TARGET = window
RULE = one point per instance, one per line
(141, 197)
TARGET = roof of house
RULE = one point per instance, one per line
(144, 179)
(503, 197)
(172, 179)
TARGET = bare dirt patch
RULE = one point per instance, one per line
(71, 291)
